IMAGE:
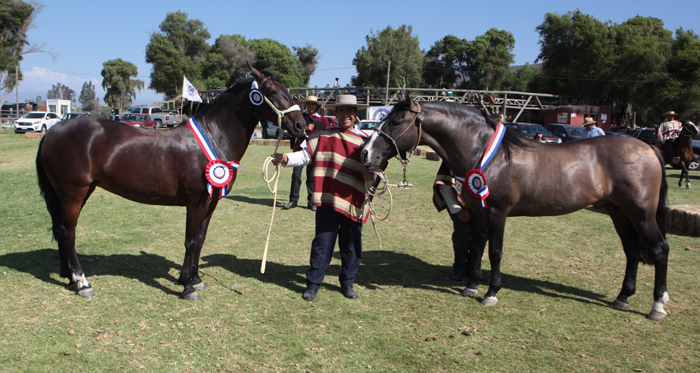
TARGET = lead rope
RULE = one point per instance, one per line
(267, 181)
(372, 192)
(275, 176)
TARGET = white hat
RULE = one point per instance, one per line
(346, 100)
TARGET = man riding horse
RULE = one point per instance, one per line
(669, 130)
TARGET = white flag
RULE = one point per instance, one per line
(189, 91)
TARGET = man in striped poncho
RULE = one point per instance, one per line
(339, 195)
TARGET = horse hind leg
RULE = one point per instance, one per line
(65, 236)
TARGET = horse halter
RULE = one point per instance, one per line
(280, 114)
(418, 118)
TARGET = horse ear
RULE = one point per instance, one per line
(406, 95)
(257, 74)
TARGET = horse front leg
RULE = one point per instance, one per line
(496, 227)
(474, 256)
(197, 224)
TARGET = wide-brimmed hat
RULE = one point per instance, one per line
(310, 98)
(670, 113)
(589, 120)
(346, 100)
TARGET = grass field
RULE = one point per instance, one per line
(559, 276)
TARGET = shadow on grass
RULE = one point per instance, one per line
(144, 267)
(385, 269)
(378, 270)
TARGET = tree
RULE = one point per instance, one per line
(87, 97)
(61, 92)
(398, 46)
(278, 59)
(16, 18)
(445, 63)
(637, 62)
(226, 62)
(308, 57)
(175, 52)
(117, 82)
(524, 79)
(490, 56)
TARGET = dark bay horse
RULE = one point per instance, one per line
(623, 175)
(683, 148)
(165, 167)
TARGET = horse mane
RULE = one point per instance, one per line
(511, 139)
(215, 106)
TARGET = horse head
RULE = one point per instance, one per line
(280, 108)
(399, 132)
(690, 128)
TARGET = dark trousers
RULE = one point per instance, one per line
(668, 149)
(296, 183)
(329, 226)
(460, 243)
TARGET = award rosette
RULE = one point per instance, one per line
(219, 173)
(476, 181)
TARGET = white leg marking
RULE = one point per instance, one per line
(81, 282)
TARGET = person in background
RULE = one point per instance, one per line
(540, 138)
(667, 134)
(339, 195)
(590, 129)
(314, 122)
(447, 195)
(336, 84)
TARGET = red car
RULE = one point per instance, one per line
(139, 120)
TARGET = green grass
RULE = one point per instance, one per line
(553, 315)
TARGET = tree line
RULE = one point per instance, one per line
(636, 62)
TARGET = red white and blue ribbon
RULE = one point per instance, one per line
(475, 179)
(218, 172)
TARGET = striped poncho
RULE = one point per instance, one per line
(339, 172)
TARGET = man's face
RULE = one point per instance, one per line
(346, 116)
(311, 107)
(669, 117)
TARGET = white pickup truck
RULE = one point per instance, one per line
(162, 118)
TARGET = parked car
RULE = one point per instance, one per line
(530, 130)
(612, 133)
(138, 120)
(648, 135)
(162, 118)
(567, 132)
(271, 131)
(369, 125)
(36, 121)
(695, 164)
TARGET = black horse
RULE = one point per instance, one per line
(165, 167)
(683, 148)
(525, 178)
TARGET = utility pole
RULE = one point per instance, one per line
(17, 89)
(386, 94)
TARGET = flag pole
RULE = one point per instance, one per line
(182, 96)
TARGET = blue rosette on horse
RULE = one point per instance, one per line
(475, 179)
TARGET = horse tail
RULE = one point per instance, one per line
(53, 204)
(661, 208)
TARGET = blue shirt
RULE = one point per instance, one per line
(595, 131)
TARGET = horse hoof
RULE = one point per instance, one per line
(199, 286)
(656, 316)
(87, 293)
(620, 304)
(489, 301)
(191, 296)
(467, 292)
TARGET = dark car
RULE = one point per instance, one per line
(68, 116)
(271, 131)
(648, 135)
(567, 132)
(612, 133)
(530, 130)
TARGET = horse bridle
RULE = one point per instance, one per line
(280, 114)
(418, 118)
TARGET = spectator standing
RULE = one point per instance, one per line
(590, 129)
(314, 122)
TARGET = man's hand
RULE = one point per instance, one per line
(279, 158)
(464, 216)
(310, 126)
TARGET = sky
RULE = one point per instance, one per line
(83, 34)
